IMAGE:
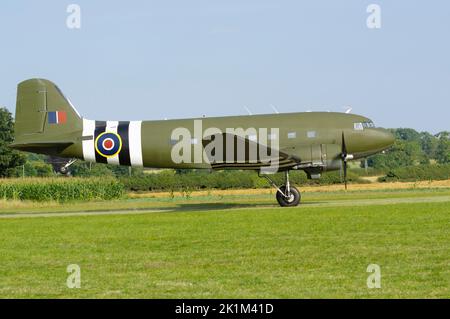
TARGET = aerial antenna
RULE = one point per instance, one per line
(349, 109)
(248, 110)
(274, 108)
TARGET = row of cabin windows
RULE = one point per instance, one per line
(292, 135)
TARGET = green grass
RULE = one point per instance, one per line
(200, 250)
(179, 202)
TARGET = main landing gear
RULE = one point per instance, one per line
(287, 195)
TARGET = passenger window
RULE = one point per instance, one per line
(311, 134)
(292, 135)
(358, 126)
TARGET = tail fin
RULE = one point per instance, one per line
(44, 116)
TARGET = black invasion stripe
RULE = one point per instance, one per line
(100, 127)
(124, 155)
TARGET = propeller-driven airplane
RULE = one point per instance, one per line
(46, 122)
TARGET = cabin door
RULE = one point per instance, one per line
(316, 155)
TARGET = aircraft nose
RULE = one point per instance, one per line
(384, 138)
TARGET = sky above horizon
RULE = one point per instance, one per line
(176, 59)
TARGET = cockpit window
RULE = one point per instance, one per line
(362, 125)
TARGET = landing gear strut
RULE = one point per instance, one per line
(65, 169)
(287, 195)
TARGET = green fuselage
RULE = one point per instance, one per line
(313, 138)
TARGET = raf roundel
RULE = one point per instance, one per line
(108, 144)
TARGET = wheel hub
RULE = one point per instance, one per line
(290, 197)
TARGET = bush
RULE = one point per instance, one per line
(61, 189)
(32, 169)
(418, 173)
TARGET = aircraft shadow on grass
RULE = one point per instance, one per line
(189, 207)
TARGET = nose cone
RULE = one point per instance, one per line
(368, 142)
(383, 139)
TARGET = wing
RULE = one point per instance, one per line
(228, 151)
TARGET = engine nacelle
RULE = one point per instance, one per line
(316, 159)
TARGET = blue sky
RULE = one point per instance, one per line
(174, 59)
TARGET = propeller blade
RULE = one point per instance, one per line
(345, 174)
(344, 159)
(344, 147)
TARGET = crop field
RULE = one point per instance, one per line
(231, 245)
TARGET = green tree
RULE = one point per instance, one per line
(428, 143)
(403, 153)
(407, 134)
(443, 149)
(9, 159)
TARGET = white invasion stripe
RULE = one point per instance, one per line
(111, 127)
(88, 145)
(135, 143)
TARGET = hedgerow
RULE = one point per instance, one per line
(194, 180)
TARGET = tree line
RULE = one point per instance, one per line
(413, 148)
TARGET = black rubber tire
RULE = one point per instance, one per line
(294, 200)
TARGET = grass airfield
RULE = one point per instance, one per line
(236, 244)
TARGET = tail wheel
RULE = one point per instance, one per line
(288, 201)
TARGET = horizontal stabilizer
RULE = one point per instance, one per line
(40, 145)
